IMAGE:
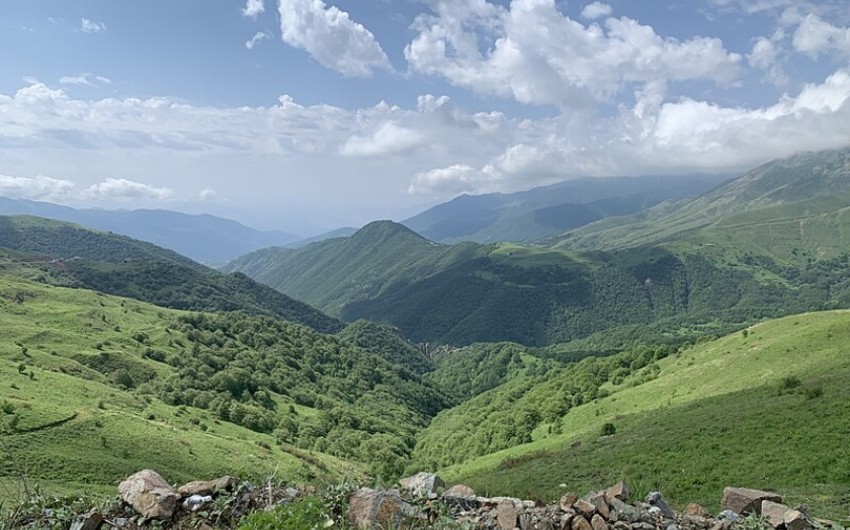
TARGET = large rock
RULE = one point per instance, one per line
(149, 494)
(599, 500)
(567, 501)
(370, 509)
(585, 508)
(774, 512)
(198, 487)
(618, 491)
(656, 500)
(797, 520)
(422, 483)
(626, 512)
(91, 521)
(507, 513)
(745, 501)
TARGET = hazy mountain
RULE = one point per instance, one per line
(530, 215)
(204, 238)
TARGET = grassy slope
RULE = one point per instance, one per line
(111, 433)
(712, 418)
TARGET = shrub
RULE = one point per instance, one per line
(608, 429)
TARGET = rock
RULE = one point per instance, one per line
(370, 508)
(797, 520)
(196, 502)
(599, 500)
(598, 523)
(673, 526)
(567, 501)
(198, 487)
(729, 515)
(696, 510)
(774, 512)
(506, 514)
(618, 491)
(585, 508)
(525, 521)
(625, 511)
(744, 501)
(422, 483)
(545, 524)
(225, 483)
(622, 525)
(459, 491)
(90, 521)
(655, 500)
(149, 494)
(580, 523)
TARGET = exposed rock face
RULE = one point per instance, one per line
(744, 501)
(149, 494)
(422, 483)
(370, 509)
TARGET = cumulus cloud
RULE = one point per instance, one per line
(387, 139)
(816, 36)
(207, 194)
(452, 180)
(765, 57)
(253, 8)
(535, 54)
(331, 37)
(125, 189)
(36, 188)
(90, 26)
(258, 37)
(596, 10)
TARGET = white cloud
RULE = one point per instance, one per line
(765, 57)
(388, 139)
(253, 8)
(452, 180)
(331, 37)
(816, 36)
(86, 79)
(207, 194)
(125, 189)
(36, 188)
(535, 54)
(90, 26)
(258, 37)
(596, 10)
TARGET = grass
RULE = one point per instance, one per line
(714, 417)
(74, 431)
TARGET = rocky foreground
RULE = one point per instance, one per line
(420, 502)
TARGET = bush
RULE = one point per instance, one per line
(307, 514)
(608, 429)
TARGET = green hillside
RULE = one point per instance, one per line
(80, 257)
(95, 387)
(765, 408)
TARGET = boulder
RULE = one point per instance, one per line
(656, 500)
(198, 487)
(459, 491)
(598, 523)
(90, 521)
(370, 509)
(149, 494)
(567, 501)
(618, 491)
(585, 508)
(600, 501)
(507, 513)
(797, 520)
(580, 523)
(744, 501)
(225, 483)
(774, 512)
(625, 512)
(422, 483)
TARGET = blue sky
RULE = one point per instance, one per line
(306, 115)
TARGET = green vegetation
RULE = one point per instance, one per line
(716, 414)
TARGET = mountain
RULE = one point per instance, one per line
(80, 257)
(534, 214)
(816, 177)
(339, 232)
(204, 238)
(466, 293)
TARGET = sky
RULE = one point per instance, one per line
(306, 115)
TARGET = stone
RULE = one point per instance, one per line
(90, 521)
(797, 520)
(774, 512)
(545, 524)
(598, 523)
(618, 491)
(567, 519)
(696, 510)
(422, 483)
(625, 511)
(729, 515)
(198, 487)
(585, 508)
(149, 494)
(622, 525)
(370, 508)
(525, 521)
(673, 526)
(567, 501)
(656, 500)
(459, 491)
(744, 501)
(601, 502)
(225, 483)
(580, 523)
(507, 513)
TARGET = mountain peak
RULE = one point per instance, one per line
(384, 230)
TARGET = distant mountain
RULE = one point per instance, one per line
(541, 212)
(339, 232)
(816, 177)
(204, 238)
(123, 266)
